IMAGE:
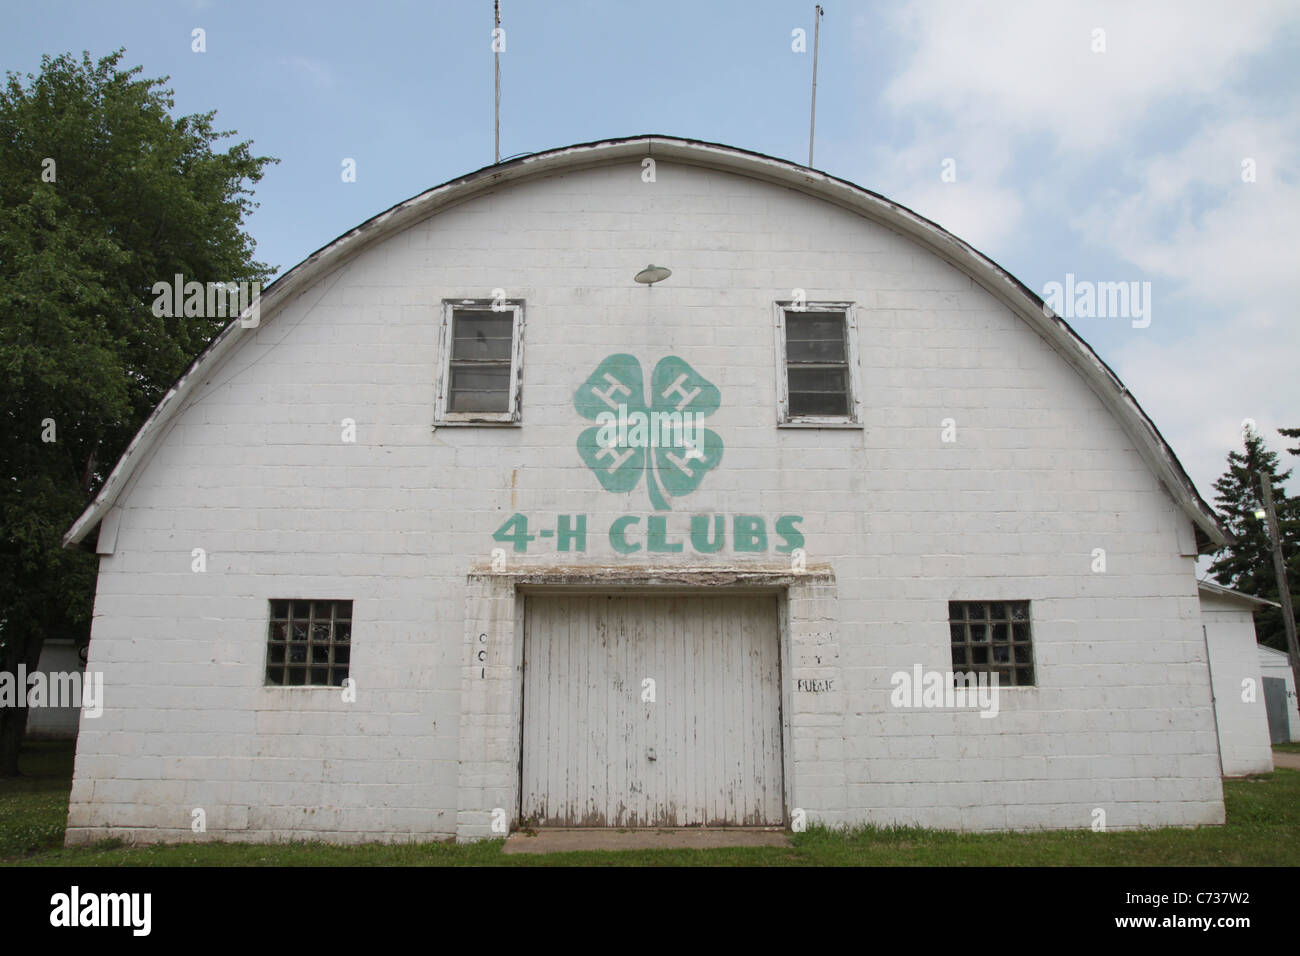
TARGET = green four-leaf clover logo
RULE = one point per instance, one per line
(665, 438)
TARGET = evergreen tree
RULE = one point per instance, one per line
(1246, 564)
(1291, 433)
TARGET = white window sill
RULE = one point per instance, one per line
(819, 424)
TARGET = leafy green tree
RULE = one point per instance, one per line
(1246, 564)
(102, 194)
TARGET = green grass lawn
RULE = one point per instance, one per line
(1263, 829)
(34, 807)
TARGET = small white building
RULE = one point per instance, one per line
(592, 551)
(57, 718)
(1280, 697)
(1228, 618)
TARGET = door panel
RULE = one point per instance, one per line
(705, 751)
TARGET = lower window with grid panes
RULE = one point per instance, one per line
(310, 643)
(992, 637)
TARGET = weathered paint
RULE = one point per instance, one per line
(317, 267)
(253, 471)
(704, 751)
(1276, 665)
(1239, 708)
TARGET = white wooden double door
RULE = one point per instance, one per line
(652, 711)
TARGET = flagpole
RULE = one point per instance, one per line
(812, 125)
(496, 56)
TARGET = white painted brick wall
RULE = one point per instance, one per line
(1242, 722)
(254, 472)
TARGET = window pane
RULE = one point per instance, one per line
(483, 336)
(814, 337)
(819, 391)
(993, 637)
(306, 651)
(480, 389)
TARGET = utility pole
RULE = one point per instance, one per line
(817, 33)
(496, 56)
(1279, 569)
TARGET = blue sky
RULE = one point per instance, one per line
(1114, 156)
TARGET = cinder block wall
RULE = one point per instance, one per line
(1239, 706)
(254, 472)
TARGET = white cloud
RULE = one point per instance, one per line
(982, 216)
(1229, 243)
(1229, 248)
(1029, 66)
(969, 201)
(1003, 87)
(1198, 390)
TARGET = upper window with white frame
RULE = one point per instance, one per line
(817, 380)
(481, 350)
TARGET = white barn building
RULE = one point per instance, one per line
(57, 717)
(845, 454)
(1240, 710)
(1280, 695)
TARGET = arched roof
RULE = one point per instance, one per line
(992, 277)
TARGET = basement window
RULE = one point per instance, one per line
(480, 348)
(310, 643)
(817, 365)
(992, 637)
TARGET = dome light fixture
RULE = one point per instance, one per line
(652, 274)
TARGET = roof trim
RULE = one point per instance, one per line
(992, 277)
(1218, 590)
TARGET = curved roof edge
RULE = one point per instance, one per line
(992, 277)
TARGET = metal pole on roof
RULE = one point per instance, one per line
(817, 33)
(1279, 569)
(496, 56)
